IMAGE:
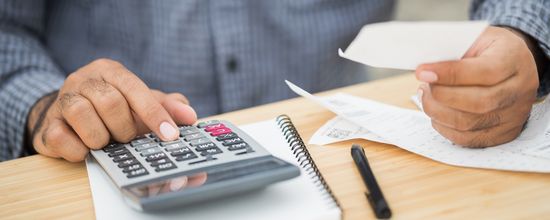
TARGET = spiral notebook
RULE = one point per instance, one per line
(305, 197)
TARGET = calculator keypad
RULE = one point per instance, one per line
(207, 140)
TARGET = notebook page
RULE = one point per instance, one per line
(297, 198)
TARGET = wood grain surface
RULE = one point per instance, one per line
(37, 187)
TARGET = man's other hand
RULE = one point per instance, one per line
(100, 102)
(485, 98)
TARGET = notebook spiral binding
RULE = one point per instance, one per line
(301, 153)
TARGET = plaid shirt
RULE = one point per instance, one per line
(223, 55)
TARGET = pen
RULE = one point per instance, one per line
(374, 196)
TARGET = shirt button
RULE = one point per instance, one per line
(232, 64)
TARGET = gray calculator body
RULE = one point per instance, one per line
(209, 160)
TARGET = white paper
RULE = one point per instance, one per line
(339, 129)
(412, 131)
(297, 198)
(405, 45)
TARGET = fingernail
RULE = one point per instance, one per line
(427, 76)
(168, 131)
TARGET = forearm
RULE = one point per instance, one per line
(27, 72)
(18, 94)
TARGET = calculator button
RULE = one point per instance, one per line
(206, 123)
(128, 162)
(193, 137)
(202, 147)
(141, 141)
(188, 130)
(232, 141)
(165, 166)
(213, 127)
(122, 157)
(155, 156)
(211, 151)
(153, 137)
(139, 172)
(237, 146)
(150, 151)
(222, 137)
(185, 157)
(181, 151)
(175, 146)
(113, 147)
(247, 151)
(132, 167)
(199, 141)
(155, 163)
(119, 151)
(146, 146)
(220, 131)
(166, 143)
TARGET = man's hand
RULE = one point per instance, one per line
(102, 101)
(485, 98)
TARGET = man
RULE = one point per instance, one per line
(77, 74)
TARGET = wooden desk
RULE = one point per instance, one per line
(37, 187)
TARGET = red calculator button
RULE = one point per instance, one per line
(211, 128)
(220, 131)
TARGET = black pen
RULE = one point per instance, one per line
(375, 196)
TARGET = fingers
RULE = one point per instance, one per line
(485, 98)
(476, 71)
(197, 180)
(142, 102)
(82, 117)
(458, 120)
(57, 139)
(103, 100)
(112, 108)
(177, 106)
(181, 113)
(177, 183)
(477, 99)
(479, 138)
(466, 121)
(475, 130)
(175, 96)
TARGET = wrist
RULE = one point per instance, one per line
(541, 60)
(35, 118)
(39, 108)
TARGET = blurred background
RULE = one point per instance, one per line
(424, 10)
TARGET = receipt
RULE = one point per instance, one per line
(339, 129)
(411, 130)
(405, 45)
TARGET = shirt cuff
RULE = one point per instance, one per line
(18, 94)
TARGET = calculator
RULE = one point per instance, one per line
(209, 160)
